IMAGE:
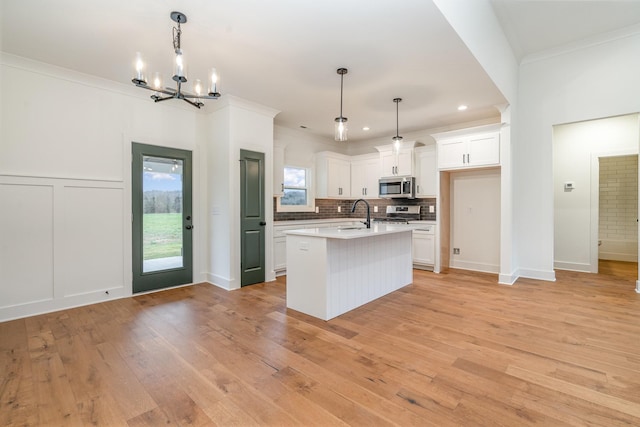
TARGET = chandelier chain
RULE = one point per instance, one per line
(177, 32)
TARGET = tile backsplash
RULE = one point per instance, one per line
(328, 208)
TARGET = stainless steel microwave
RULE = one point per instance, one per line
(397, 187)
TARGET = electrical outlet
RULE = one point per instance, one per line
(432, 209)
(456, 251)
(317, 209)
(339, 209)
(375, 209)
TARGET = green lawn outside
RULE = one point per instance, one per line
(162, 235)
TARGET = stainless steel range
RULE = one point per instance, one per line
(399, 214)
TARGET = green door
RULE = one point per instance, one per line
(162, 218)
(252, 217)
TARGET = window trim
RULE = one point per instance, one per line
(311, 201)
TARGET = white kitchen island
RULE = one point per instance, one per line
(333, 270)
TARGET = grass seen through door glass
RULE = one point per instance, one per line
(162, 235)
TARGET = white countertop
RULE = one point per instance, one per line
(351, 232)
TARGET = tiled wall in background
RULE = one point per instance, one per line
(618, 227)
(328, 208)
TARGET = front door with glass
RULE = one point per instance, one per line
(162, 217)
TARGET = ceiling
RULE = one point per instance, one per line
(284, 53)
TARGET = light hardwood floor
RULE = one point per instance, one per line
(450, 349)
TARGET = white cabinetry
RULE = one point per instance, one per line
(364, 176)
(333, 175)
(396, 162)
(469, 148)
(426, 171)
(423, 248)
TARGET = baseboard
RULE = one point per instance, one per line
(528, 273)
(572, 266)
(219, 281)
(508, 279)
(34, 308)
(617, 256)
(474, 266)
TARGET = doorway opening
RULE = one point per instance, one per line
(582, 235)
(618, 216)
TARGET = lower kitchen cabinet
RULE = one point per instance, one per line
(279, 253)
(423, 249)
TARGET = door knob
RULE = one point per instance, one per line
(189, 227)
(263, 223)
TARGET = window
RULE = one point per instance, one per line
(296, 195)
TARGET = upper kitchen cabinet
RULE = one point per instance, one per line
(469, 148)
(333, 175)
(365, 171)
(396, 162)
(426, 171)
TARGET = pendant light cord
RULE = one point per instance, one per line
(341, 81)
(397, 122)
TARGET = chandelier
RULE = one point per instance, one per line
(179, 75)
(397, 140)
(341, 122)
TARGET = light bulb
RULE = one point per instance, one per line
(212, 82)
(157, 81)
(197, 87)
(397, 141)
(341, 129)
(140, 68)
(180, 67)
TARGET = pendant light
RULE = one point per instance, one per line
(397, 140)
(341, 122)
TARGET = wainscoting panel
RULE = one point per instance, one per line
(26, 243)
(92, 239)
(62, 244)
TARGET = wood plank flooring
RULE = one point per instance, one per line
(449, 349)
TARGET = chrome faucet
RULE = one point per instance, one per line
(353, 209)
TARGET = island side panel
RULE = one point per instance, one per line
(307, 275)
(362, 270)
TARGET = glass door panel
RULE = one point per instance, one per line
(162, 214)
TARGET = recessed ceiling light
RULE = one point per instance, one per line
(462, 107)
(366, 128)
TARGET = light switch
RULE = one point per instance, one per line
(339, 209)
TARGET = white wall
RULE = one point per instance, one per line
(65, 150)
(478, 27)
(575, 147)
(235, 125)
(595, 81)
(300, 146)
(475, 220)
